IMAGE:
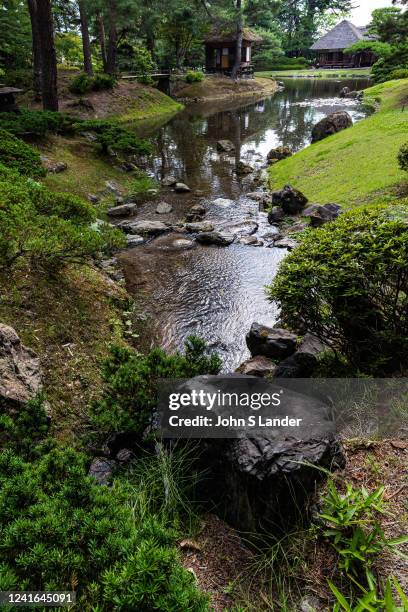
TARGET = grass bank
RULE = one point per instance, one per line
(358, 165)
(316, 73)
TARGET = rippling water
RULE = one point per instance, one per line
(218, 292)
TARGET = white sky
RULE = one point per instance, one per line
(362, 15)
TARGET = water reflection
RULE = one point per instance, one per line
(218, 292)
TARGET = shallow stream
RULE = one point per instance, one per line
(217, 292)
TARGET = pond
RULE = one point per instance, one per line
(218, 292)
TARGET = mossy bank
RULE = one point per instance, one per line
(356, 166)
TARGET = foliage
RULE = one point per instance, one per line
(48, 230)
(60, 530)
(15, 36)
(194, 76)
(403, 157)
(110, 135)
(131, 383)
(400, 73)
(135, 58)
(354, 531)
(372, 600)
(24, 429)
(68, 46)
(35, 123)
(348, 283)
(19, 156)
(83, 83)
(378, 48)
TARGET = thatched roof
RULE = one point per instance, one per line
(225, 34)
(341, 36)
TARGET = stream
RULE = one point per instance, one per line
(218, 292)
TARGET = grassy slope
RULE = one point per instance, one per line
(324, 74)
(357, 165)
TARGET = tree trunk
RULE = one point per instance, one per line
(35, 33)
(48, 56)
(86, 44)
(113, 39)
(101, 32)
(238, 46)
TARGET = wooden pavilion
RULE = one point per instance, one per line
(220, 51)
(330, 48)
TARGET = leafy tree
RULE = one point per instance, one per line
(347, 283)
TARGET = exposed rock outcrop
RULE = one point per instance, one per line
(270, 342)
(215, 238)
(291, 200)
(20, 372)
(336, 122)
(278, 154)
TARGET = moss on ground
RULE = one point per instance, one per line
(69, 321)
(358, 165)
(87, 170)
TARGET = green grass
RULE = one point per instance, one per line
(358, 165)
(323, 74)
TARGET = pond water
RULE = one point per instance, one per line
(218, 292)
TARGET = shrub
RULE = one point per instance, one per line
(372, 599)
(194, 76)
(353, 529)
(59, 530)
(403, 157)
(47, 230)
(20, 156)
(116, 137)
(348, 284)
(22, 430)
(83, 83)
(400, 73)
(131, 383)
(35, 123)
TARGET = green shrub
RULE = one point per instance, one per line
(21, 430)
(116, 137)
(59, 530)
(83, 83)
(347, 283)
(401, 73)
(371, 598)
(16, 154)
(103, 81)
(403, 157)
(352, 527)
(131, 383)
(36, 123)
(46, 230)
(194, 76)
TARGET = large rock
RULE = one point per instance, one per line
(242, 228)
(196, 213)
(291, 200)
(225, 146)
(257, 366)
(123, 210)
(216, 238)
(200, 226)
(278, 154)
(303, 363)
(261, 485)
(163, 208)
(134, 240)
(182, 188)
(319, 215)
(102, 469)
(276, 215)
(243, 169)
(331, 125)
(152, 228)
(270, 342)
(169, 181)
(344, 92)
(20, 373)
(114, 187)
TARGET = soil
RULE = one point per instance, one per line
(223, 562)
(215, 87)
